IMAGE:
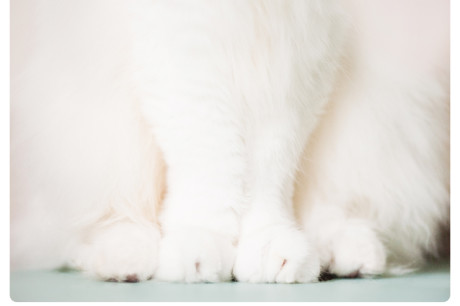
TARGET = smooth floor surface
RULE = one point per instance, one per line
(432, 284)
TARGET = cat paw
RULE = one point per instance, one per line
(194, 255)
(357, 252)
(123, 251)
(276, 255)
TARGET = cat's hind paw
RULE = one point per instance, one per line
(357, 252)
(120, 252)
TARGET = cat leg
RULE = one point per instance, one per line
(272, 248)
(118, 237)
(199, 218)
(185, 88)
(202, 150)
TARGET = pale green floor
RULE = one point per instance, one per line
(430, 284)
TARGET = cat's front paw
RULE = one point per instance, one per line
(122, 251)
(276, 254)
(195, 255)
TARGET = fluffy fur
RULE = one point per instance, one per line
(196, 140)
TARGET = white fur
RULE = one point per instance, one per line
(232, 112)
(118, 251)
(380, 156)
(261, 111)
(81, 154)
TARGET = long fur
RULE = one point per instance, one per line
(190, 139)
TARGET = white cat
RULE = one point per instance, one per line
(199, 140)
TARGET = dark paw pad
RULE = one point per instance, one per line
(326, 276)
(354, 274)
(132, 278)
